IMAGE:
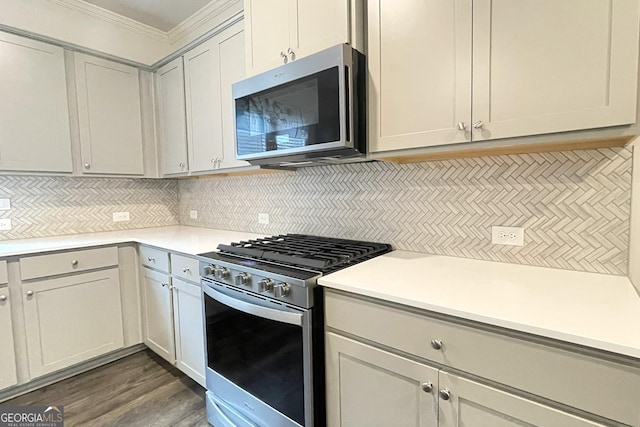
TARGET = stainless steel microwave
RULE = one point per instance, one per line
(306, 112)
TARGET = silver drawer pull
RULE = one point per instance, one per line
(29, 293)
(184, 270)
(151, 259)
(3, 297)
(436, 343)
(427, 387)
(445, 394)
(74, 262)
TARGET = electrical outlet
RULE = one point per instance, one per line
(121, 216)
(5, 224)
(5, 204)
(263, 218)
(193, 214)
(511, 236)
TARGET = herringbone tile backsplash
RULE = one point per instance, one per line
(50, 206)
(575, 206)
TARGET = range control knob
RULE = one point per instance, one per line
(209, 269)
(282, 289)
(242, 279)
(265, 285)
(222, 273)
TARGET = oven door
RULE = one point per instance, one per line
(258, 356)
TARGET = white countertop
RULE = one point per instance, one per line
(179, 238)
(594, 310)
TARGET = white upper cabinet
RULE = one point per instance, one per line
(450, 72)
(420, 73)
(279, 31)
(34, 112)
(210, 69)
(109, 116)
(172, 130)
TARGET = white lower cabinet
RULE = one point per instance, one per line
(71, 319)
(189, 329)
(157, 314)
(7, 352)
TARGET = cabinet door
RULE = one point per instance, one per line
(7, 353)
(474, 404)
(232, 69)
(188, 321)
(370, 387)
(172, 129)
(202, 86)
(545, 66)
(420, 73)
(157, 314)
(109, 116)
(72, 319)
(318, 24)
(267, 26)
(34, 113)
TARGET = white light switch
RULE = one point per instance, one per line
(5, 204)
(121, 216)
(5, 224)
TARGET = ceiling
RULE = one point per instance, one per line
(161, 14)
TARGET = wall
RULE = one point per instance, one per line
(575, 206)
(49, 206)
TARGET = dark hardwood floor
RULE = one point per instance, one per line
(139, 390)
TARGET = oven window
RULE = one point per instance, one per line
(262, 356)
(293, 115)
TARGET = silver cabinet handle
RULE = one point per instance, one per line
(478, 124)
(461, 126)
(87, 165)
(164, 284)
(436, 343)
(292, 54)
(181, 165)
(29, 293)
(284, 57)
(445, 394)
(151, 259)
(427, 387)
(171, 288)
(74, 262)
(3, 297)
(184, 270)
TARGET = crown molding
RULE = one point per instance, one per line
(113, 18)
(202, 17)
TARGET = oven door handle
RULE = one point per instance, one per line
(257, 310)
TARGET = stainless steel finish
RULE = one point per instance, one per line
(478, 124)
(184, 270)
(209, 269)
(292, 54)
(29, 293)
(284, 57)
(265, 285)
(445, 394)
(251, 308)
(461, 126)
(436, 343)
(74, 262)
(219, 413)
(427, 387)
(281, 290)
(3, 297)
(222, 273)
(87, 165)
(242, 279)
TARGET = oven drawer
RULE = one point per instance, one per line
(4, 277)
(595, 385)
(154, 258)
(185, 268)
(34, 267)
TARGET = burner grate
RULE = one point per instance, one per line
(323, 254)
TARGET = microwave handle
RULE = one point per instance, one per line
(256, 310)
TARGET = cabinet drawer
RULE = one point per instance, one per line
(4, 277)
(185, 268)
(67, 262)
(154, 258)
(595, 385)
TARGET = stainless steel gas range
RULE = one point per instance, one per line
(264, 327)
